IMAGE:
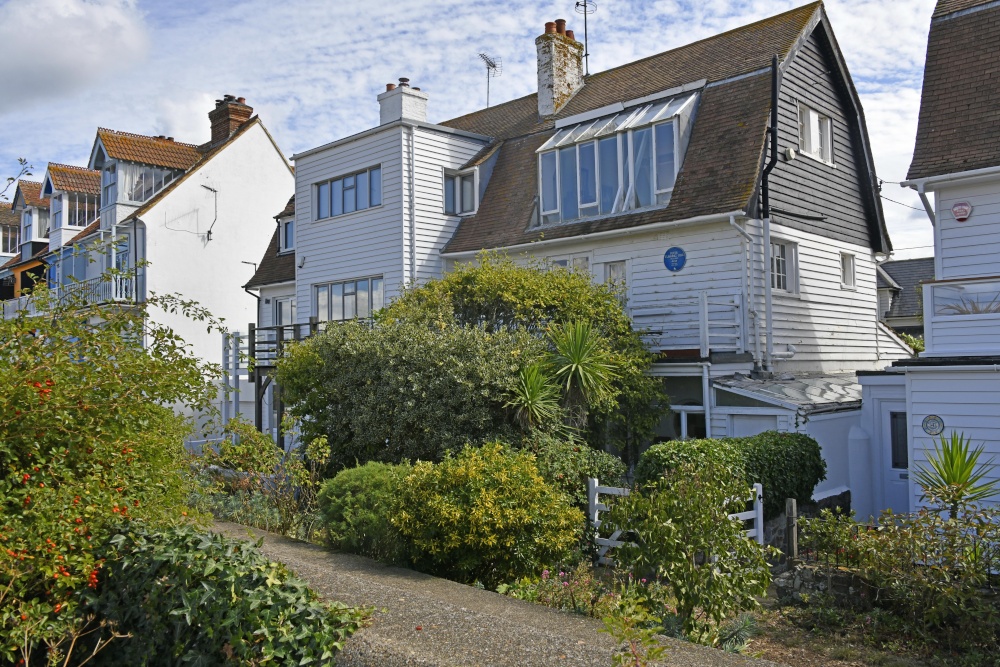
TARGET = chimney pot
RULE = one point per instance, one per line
(241, 100)
(550, 28)
(404, 82)
(390, 86)
(560, 67)
(227, 117)
(561, 26)
(170, 138)
(415, 88)
(400, 102)
(569, 33)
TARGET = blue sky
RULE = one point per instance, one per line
(312, 68)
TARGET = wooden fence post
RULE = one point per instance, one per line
(791, 529)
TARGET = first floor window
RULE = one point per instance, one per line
(847, 278)
(350, 193)
(350, 299)
(284, 311)
(783, 266)
(9, 238)
(815, 134)
(614, 272)
(460, 193)
(27, 223)
(288, 234)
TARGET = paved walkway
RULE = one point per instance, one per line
(423, 620)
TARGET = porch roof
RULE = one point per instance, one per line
(806, 392)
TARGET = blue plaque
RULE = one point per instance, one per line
(674, 259)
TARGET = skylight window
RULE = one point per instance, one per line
(613, 164)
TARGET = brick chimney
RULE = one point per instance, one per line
(228, 115)
(560, 67)
(401, 101)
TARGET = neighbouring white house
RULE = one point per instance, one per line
(174, 218)
(954, 385)
(654, 173)
(23, 267)
(10, 245)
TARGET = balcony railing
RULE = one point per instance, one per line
(94, 291)
(706, 324)
(962, 317)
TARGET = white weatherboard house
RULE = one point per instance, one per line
(954, 386)
(198, 214)
(651, 173)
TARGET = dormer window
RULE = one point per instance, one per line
(613, 164)
(815, 134)
(460, 193)
(286, 235)
(350, 193)
(142, 182)
(109, 182)
(26, 224)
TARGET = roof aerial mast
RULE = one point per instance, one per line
(586, 7)
(494, 67)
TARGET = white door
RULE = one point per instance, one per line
(895, 457)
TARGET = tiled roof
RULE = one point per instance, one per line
(32, 194)
(959, 126)
(92, 228)
(75, 179)
(7, 216)
(274, 268)
(720, 168)
(945, 7)
(289, 208)
(908, 274)
(16, 259)
(156, 151)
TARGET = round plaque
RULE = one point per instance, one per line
(932, 425)
(674, 259)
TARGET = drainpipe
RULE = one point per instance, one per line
(927, 204)
(706, 392)
(766, 211)
(413, 211)
(747, 244)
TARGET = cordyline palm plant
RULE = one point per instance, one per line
(583, 366)
(535, 398)
(954, 474)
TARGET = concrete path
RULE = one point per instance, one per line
(423, 620)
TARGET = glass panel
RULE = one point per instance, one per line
(350, 198)
(289, 234)
(779, 266)
(449, 195)
(378, 295)
(805, 145)
(362, 190)
(468, 193)
(323, 303)
(364, 309)
(375, 185)
(899, 441)
(614, 272)
(971, 298)
(653, 112)
(626, 176)
(337, 301)
(337, 196)
(642, 141)
(567, 183)
(581, 263)
(588, 211)
(564, 263)
(350, 304)
(608, 149)
(588, 173)
(322, 201)
(664, 156)
(550, 188)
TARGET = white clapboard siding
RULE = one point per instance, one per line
(957, 335)
(968, 249)
(268, 294)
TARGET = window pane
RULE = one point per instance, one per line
(338, 197)
(375, 186)
(779, 266)
(323, 201)
(337, 301)
(826, 139)
(614, 272)
(350, 305)
(608, 149)
(289, 234)
(378, 295)
(664, 156)
(468, 193)
(804, 144)
(642, 141)
(550, 189)
(322, 303)
(899, 440)
(350, 198)
(362, 294)
(581, 263)
(588, 173)
(449, 195)
(567, 183)
(626, 176)
(362, 190)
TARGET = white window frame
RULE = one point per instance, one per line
(314, 191)
(456, 178)
(371, 304)
(848, 271)
(282, 233)
(624, 265)
(28, 222)
(823, 121)
(791, 266)
(573, 260)
(277, 302)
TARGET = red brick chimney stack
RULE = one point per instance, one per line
(228, 115)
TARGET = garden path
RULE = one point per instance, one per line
(424, 620)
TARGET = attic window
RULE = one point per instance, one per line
(287, 234)
(617, 163)
(460, 193)
(815, 134)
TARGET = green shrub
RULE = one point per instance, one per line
(566, 465)
(680, 533)
(357, 506)
(583, 590)
(189, 597)
(485, 515)
(787, 465)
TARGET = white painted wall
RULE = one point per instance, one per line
(971, 248)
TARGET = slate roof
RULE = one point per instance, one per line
(720, 169)
(274, 268)
(7, 216)
(959, 126)
(288, 210)
(945, 7)
(32, 194)
(155, 151)
(908, 274)
(810, 392)
(75, 179)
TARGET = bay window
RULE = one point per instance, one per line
(109, 185)
(349, 193)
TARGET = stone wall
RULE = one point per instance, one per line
(805, 579)
(776, 529)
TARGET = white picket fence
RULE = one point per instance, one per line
(605, 544)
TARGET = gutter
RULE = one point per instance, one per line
(405, 122)
(642, 229)
(922, 184)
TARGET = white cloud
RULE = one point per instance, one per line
(50, 48)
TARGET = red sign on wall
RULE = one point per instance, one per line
(961, 210)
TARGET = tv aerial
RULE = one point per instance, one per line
(494, 67)
(586, 7)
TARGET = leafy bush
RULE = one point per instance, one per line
(85, 441)
(402, 391)
(357, 506)
(680, 532)
(485, 515)
(787, 465)
(566, 464)
(582, 590)
(189, 597)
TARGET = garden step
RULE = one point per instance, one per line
(458, 624)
